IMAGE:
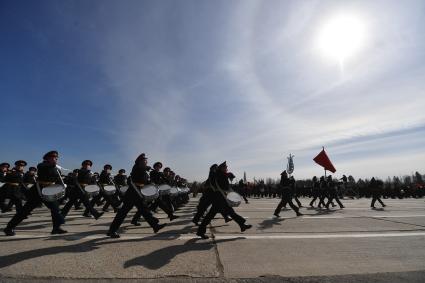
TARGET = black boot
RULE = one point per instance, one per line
(158, 227)
(113, 235)
(58, 230)
(9, 231)
(245, 227)
(98, 215)
(203, 236)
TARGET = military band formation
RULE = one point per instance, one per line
(146, 188)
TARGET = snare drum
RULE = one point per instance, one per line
(53, 193)
(92, 190)
(149, 192)
(234, 199)
(174, 192)
(123, 189)
(164, 189)
(109, 190)
(186, 190)
(1, 184)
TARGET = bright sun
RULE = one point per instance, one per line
(341, 37)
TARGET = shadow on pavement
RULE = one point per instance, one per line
(163, 256)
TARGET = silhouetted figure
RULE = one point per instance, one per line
(287, 194)
(376, 190)
(220, 184)
(333, 193)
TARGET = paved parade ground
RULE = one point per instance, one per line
(355, 244)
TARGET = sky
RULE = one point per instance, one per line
(192, 83)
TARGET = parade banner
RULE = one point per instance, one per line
(323, 160)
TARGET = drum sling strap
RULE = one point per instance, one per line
(135, 188)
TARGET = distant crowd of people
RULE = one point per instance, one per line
(396, 187)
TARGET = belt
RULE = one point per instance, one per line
(139, 184)
(45, 183)
(83, 184)
(13, 184)
(105, 185)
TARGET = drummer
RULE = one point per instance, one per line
(164, 201)
(48, 174)
(29, 180)
(14, 186)
(105, 180)
(138, 178)
(4, 167)
(120, 181)
(83, 178)
(121, 178)
(219, 202)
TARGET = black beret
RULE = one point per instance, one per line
(21, 163)
(284, 172)
(157, 164)
(4, 164)
(167, 169)
(32, 169)
(222, 165)
(107, 166)
(50, 153)
(121, 171)
(87, 162)
(140, 157)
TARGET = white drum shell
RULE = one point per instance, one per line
(234, 199)
(164, 189)
(109, 190)
(123, 189)
(92, 190)
(53, 193)
(149, 192)
(174, 191)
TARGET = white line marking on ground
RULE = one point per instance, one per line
(232, 236)
(322, 236)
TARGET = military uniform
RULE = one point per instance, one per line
(15, 186)
(219, 202)
(164, 201)
(287, 194)
(376, 187)
(105, 180)
(47, 174)
(4, 167)
(76, 193)
(333, 193)
(316, 193)
(138, 178)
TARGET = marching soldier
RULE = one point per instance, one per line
(105, 180)
(316, 193)
(48, 174)
(287, 194)
(376, 187)
(219, 202)
(83, 178)
(138, 178)
(4, 168)
(164, 201)
(14, 186)
(333, 193)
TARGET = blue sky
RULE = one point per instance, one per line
(192, 83)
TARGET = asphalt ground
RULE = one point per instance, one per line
(355, 244)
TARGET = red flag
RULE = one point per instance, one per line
(323, 160)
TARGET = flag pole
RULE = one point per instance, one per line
(323, 148)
